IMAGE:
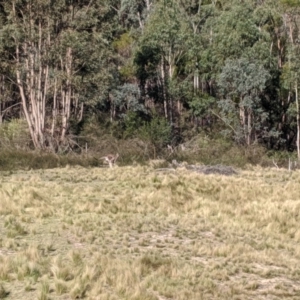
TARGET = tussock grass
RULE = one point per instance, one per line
(135, 233)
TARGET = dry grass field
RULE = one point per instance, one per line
(139, 233)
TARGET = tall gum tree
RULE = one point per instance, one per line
(57, 51)
(164, 42)
(291, 73)
(237, 43)
(241, 82)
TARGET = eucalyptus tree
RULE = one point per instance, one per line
(134, 13)
(233, 32)
(291, 73)
(9, 106)
(56, 50)
(241, 84)
(126, 99)
(162, 51)
(195, 88)
(237, 38)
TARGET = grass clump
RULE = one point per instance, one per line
(151, 263)
(44, 290)
(14, 227)
(3, 292)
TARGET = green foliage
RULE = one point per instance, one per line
(157, 131)
(134, 12)
(242, 78)
(146, 60)
(127, 72)
(132, 122)
(232, 33)
(127, 98)
(291, 3)
(123, 45)
(290, 70)
(240, 84)
(160, 57)
(14, 134)
(70, 54)
(281, 158)
(200, 104)
(130, 56)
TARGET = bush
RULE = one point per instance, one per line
(133, 138)
(15, 134)
(132, 123)
(157, 132)
(213, 151)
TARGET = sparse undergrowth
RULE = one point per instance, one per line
(201, 148)
(138, 233)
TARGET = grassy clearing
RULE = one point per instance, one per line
(137, 233)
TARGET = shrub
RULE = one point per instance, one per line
(14, 134)
(158, 132)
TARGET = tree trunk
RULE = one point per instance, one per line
(67, 94)
(34, 88)
(25, 107)
(163, 86)
(249, 126)
(54, 109)
(168, 81)
(298, 120)
(243, 120)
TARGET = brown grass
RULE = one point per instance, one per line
(138, 233)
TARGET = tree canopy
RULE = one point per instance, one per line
(234, 63)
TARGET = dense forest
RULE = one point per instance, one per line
(164, 70)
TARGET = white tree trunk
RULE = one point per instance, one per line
(298, 120)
